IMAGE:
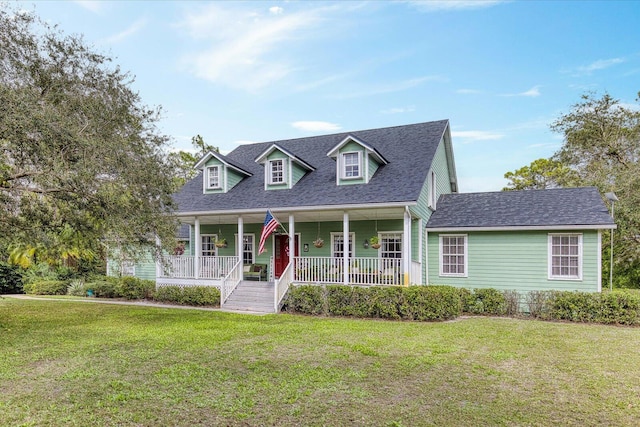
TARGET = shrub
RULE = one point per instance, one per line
(512, 302)
(573, 306)
(621, 308)
(188, 295)
(432, 302)
(305, 299)
(10, 279)
(339, 301)
(538, 303)
(47, 287)
(134, 288)
(38, 273)
(102, 288)
(486, 301)
(76, 288)
(384, 302)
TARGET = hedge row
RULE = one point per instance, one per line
(129, 288)
(444, 302)
(412, 303)
(188, 295)
(617, 307)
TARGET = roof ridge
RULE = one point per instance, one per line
(324, 135)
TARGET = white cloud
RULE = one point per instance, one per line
(316, 126)
(243, 142)
(600, 64)
(534, 92)
(390, 87)
(469, 136)
(438, 5)
(246, 49)
(125, 34)
(399, 110)
(276, 10)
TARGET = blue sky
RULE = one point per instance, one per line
(500, 71)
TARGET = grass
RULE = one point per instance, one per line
(69, 363)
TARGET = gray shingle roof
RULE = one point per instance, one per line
(554, 207)
(409, 149)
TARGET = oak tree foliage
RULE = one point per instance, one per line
(82, 163)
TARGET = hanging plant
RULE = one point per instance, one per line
(375, 242)
(318, 243)
(221, 243)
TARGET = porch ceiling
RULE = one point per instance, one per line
(360, 214)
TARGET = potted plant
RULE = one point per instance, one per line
(318, 243)
(375, 242)
(221, 243)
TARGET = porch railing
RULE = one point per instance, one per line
(281, 286)
(209, 267)
(362, 271)
(230, 281)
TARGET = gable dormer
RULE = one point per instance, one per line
(219, 175)
(282, 169)
(356, 161)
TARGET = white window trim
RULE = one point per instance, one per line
(466, 256)
(432, 190)
(285, 172)
(208, 179)
(343, 166)
(253, 245)
(550, 275)
(352, 237)
(214, 237)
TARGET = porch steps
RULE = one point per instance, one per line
(251, 296)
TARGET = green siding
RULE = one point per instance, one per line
(373, 167)
(297, 172)
(233, 178)
(422, 209)
(146, 267)
(514, 260)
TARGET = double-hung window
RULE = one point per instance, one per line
(213, 177)
(277, 172)
(351, 165)
(209, 244)
(453, 255)
(337, 245)
(247, 249)
(565, 256)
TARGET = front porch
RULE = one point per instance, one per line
(188, 270)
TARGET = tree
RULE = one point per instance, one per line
(81, 159)
(182, 162)
(541, 174)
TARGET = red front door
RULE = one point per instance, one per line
(281, 254)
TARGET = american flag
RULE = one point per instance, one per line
(270, 224)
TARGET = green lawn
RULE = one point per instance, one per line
(66, 363)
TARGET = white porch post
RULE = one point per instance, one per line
(292, 244)
(345, 247)
(406, 247)
(198, 248)
(240, 247)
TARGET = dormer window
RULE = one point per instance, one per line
(213, 177)
(351, 165)
(276, 172)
